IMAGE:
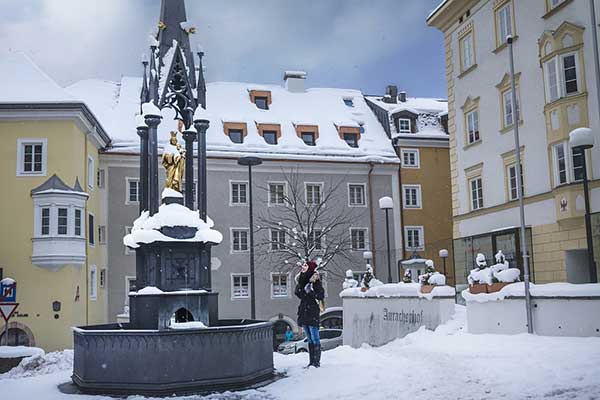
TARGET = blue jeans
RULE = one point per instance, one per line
(312, 334)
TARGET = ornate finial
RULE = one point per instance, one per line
(161, 25)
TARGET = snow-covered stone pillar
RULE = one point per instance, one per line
(142, 131)
(189, 136)
(152, 118)
(201, 123)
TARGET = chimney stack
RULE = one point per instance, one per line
(403, 96)
(294, 81)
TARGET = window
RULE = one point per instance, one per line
(91, 172)
(359, 238)
(261, 102)
(561, 76)
(308, 138)
(236, 135)
(504, 23)
(349, 102)
(568, 164)
(476, 193)
(279, 285)
(45, 221)
(63, 221)
(270, 137)
(91, 229)
(101, 234)
(93, 282)
(31, 157)
(410, 158)
(314, 239)
(313, 193)
(277, 239)
(100, 178)
(238, 193)
(511, 174)
(239, 240)
(412, 196)
(276, 193)
(473, 126)
(128, 251)
(507, 104)
(356, 195)
(404, 125)
(240, 286)
(103, 277)
(414, 238)
(133, 190)
(351, 139)
(555, 3)
(466, 52)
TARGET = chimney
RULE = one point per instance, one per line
(294, 81)
(392, 91)
(403, 96)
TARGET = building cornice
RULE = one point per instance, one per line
(448, 12)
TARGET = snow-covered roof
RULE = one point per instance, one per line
(56, 185)
(22, 81)
(117, 103)
(416, 105)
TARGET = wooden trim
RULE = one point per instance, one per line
(235, 125)
(300, 129)
(260, 93)
(348, 129)
(269, 127)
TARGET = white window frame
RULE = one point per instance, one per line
(467, 49)
(128, 279)
(91, 172)
(366, 240)
(321, 238)
(231, 202)
(240, 229)
(480, 203)
(68, 221)
(232, 287)
(128, 251)
(269, 203)
(472, 121)
(504, 25)
(509, 182)
(92, 242)
(101, 178)
(419, 204)
(404, 131)
(421, 230)
(287, 292)
(93, 282)
(41, 219)
(315, 184)
(101, 234)
(128, 181)
(559, 79)
(102, 278)
(279, 231)
(570, 170)
(81, 222)
(364, 195)
(417, 158)
(21, 142)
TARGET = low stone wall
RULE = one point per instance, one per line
(559, 312)
(378, 320)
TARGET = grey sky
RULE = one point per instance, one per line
(362, 44)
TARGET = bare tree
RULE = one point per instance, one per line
(306, 226)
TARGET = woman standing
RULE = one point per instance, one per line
(310, 291)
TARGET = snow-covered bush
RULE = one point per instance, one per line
(499, 272)
(407, 278)
(369, 279)
(431, 277)
(349, 282)
(482, 274)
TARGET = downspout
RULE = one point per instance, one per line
(401, 203)
(87, 220)
(372, 227)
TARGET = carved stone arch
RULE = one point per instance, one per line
(545, 40)
(568, 29)
(505, 81)
(24, 328)
(290, 321)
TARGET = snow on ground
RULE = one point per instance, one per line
(445, 364)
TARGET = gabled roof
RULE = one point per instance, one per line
(56, 185)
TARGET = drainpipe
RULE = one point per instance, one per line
(372, 230)
(401, 206)
(87, 221)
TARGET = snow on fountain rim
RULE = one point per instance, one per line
(517, 289)
(153, 290)
(400, 289)
(146, 228)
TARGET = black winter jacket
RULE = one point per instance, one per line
(308, 310)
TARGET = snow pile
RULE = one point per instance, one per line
(499, 272)
(541, 290)
(149, 290)
(153, 290)
(349, 281)
(168, 192)
(8, 281)
(188, 325)
(399, 290)
(42, 364)
(431, 276)
(19, 351)
(146, 228)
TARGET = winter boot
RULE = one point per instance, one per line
(317, 357)
(311, 354)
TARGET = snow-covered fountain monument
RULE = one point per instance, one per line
(174, 341)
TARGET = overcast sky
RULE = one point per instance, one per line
(362, 44)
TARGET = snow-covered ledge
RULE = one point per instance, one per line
(558, 309)
(387, 312)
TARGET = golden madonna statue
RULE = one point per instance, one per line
(173, 160)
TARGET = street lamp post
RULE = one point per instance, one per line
(250, 162)
(444, 254)
(580, 140)
(387, 204)
(515, 121)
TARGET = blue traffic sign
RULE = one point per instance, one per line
(8, 290)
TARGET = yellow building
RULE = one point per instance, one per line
(556, 93)
(51, 213)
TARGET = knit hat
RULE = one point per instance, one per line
(312, 266)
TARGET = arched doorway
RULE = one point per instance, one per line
(280, 327)
(16, 337)
(182, 315)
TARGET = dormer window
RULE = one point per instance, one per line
(261, 98)
(351, 139)
(404, 125)
(349, 134)
(270, 137)
(349, 102)
(236, 131)
(308, 138)
(236, 135)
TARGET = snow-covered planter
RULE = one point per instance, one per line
(431, 278)
(484, 279)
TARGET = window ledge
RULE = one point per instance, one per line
(469, 145)
(504, 45)
(556, 9)
(564, 99)
(466, 71)
(509, 128)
